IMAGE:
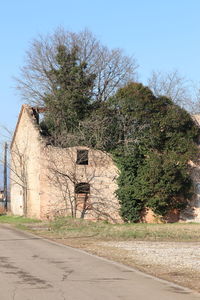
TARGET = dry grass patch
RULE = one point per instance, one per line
(68, 227)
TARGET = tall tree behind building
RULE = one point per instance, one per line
(70, 99)
(113, 69)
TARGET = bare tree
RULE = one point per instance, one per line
(77, 186)
(65, 181)
(171, 85)
(17, 166)
(18, 173)
(195, 107)
(112, 68)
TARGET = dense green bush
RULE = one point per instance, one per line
(159, 140)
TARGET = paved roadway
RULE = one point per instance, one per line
(32, 268)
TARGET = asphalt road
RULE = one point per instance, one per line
(32, 268)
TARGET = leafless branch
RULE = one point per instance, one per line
(171, 85)
(113, 68)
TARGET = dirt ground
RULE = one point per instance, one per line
(178, 262)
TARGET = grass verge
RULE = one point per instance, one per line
(68, 227)
(16, 220)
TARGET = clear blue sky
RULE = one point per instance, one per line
(162, 35)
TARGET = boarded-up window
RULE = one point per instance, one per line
(82, 188)
(82, 157)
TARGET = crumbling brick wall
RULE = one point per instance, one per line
(52, 175)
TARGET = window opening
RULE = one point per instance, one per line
(82, 157)
(82, 188)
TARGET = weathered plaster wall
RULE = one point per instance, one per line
(25, 168)
(192, 213)
(60, 172)
(49, 175)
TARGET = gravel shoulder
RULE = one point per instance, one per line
(175, 261)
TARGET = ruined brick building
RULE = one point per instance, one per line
(47, 181)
